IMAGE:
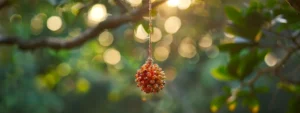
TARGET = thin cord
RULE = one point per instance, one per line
(150, 31)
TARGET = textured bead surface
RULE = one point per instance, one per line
(150, 77)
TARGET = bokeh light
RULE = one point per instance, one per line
(54, 23)
(82, 85)
(141, 34)
(206, 41)
(168, 39)
(186, 48)
(156, 35)
(37, 24)
(134, 3)
(173, 3)
(172, 24)
(106, 38)
(271, 59)
(112, 56)
(63, 69)
(170, 73)
(184, 4)
(212, 52)
(97, 14)
(161, 53)
(15, 18)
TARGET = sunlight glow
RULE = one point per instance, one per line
(173, 3)
(106, 38)
(168, 39)
(184, 4)
(97, 14)
(172, 24)
(82, 85)
(161, 53)
(156, 35)
(171, 73)
(134, 3)
(112, 56)
(54, 23)
(186, 48)
(206, 41)
(37, 24)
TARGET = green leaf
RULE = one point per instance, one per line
(217, 102)
(252, 103)
(261, 89)
(243, 93)
(271, 3)
(289, 87)
(68, 17)
(247, 32)
(233, 65)
(250, 62)
(221, 74)
(234, 15)
(227, 90)
(234, 48)
(294, 104)
(248, 26)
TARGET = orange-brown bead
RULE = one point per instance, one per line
(150, 77)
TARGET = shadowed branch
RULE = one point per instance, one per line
(58, 43)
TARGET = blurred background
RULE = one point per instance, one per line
(98, 77)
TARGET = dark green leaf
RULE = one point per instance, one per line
(68, 17)
(250, 101)
(234, 48)
(261, 89)
(234, 15)
(243, 93)
(233, 65)
(250, 62)
(221, 74)
(294, 104)
(218, 101)
(227, 90)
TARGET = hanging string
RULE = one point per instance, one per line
(150, 31)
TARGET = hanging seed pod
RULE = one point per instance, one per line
(150, 77)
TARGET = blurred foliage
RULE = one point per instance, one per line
(247, 54)
(220, 45)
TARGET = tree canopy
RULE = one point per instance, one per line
(81, 56)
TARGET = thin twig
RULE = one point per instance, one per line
(275, 69)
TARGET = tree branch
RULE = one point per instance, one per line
(58, 43)
(276, 69)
